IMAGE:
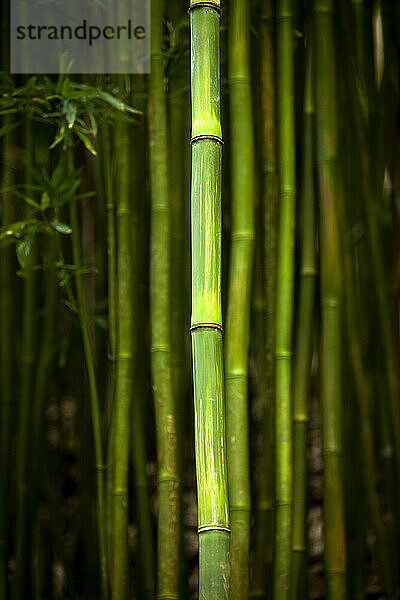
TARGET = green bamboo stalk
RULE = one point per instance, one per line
(112, 290)
(331, 299)
(7, 303)
(146, 556)
(146, 542)
(111, 246)
(180, 317)
(177, 102)
(264, 526)
(28, 354)
(124, 373)
(260, 474)
(160, 290)
(239, 295)
(93, 391)
(304, 343)
(284, 298)
(44, 363)
(206, 320)
(109, 483)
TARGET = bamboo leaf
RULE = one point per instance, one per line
(86, 141)
(59, 137)
(116, 103)
(16, 229)
(23, 250)
(44, 201)
(69, 111)
(61, 227)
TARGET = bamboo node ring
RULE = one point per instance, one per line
(207, 325)
(213, 528)
(204, 4)
(207, 136)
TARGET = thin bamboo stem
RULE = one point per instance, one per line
(284, 298)
(43, 371)
(264, 525)
(180, 317)
(28, 354)
(111, 247)
(239, 295)
(93, 391)
(160, 291)
(112, 291)
(7, 303)
(270, 222)
(331, 299)
(304, 342)
(124, 372)
(146, 542)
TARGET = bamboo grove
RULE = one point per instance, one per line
(199, 312)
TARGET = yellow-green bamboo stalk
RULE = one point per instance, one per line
(284, 298)
(124, 372)
(331, 298)
(239, 295)
(304, 342)
(206, 320)
(160, 293)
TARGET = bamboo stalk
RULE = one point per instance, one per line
(304, 342)
(270, 206)
(164, 401)
(7, 310)
(284, 298)
(180, 317)
(177, 101)
(260, 475)
(331, 300)
(206, 320)
(264, 525)
(112, 291)
(239, 295)
(93, 391)
(111, 247)
(43, 373)
(124, 372)
(28, 354)
(7, 303)
(146, 542)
